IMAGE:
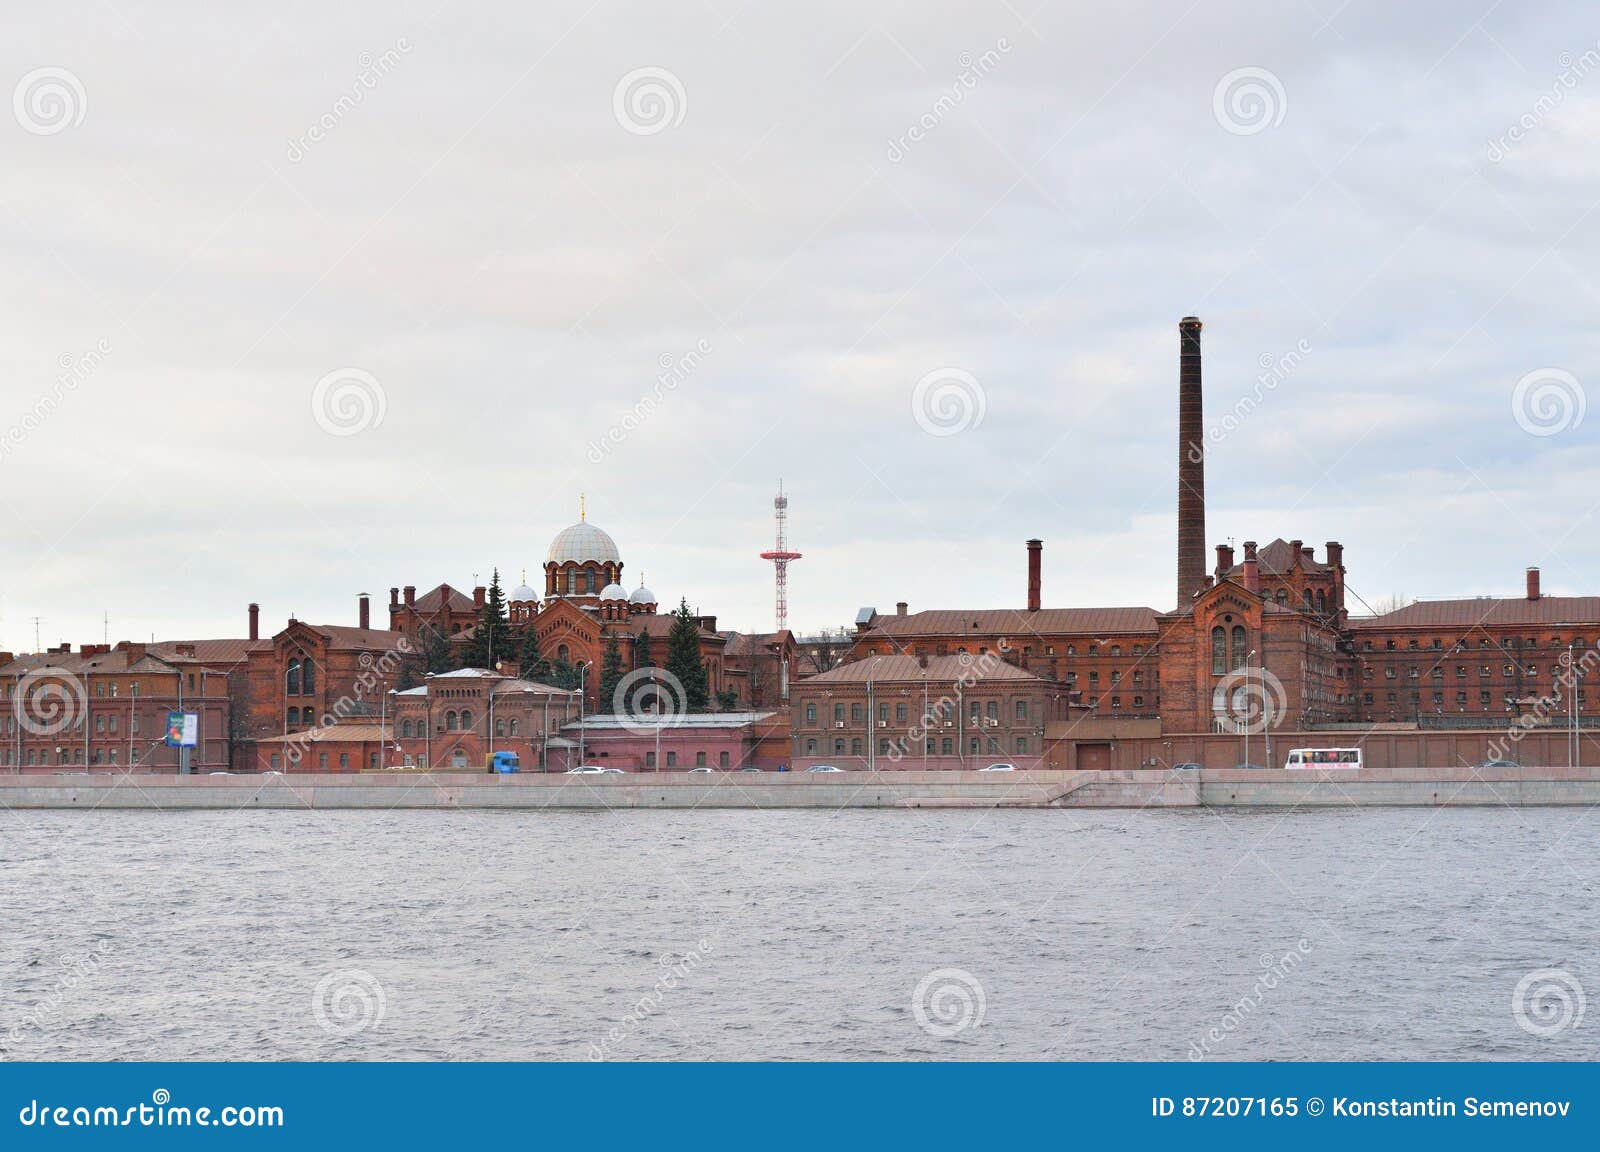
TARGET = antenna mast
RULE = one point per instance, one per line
(780, 556)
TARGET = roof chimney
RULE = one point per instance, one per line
(411, 595)
(1035, 553)
(900, 608)
(364, 610)
(394, 598)
(255, 621)
(478, 595)
(1252, 567)
(1191, 465)
(1224, 559)
(1533, 583)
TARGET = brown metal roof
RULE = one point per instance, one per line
(1277, 559)
(1017, 622)
(940, 669)
(1509, 611)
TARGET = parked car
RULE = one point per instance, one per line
(699, 771)
(999, 768)
(1186, 766)
(755, 770)
(1251, 767)
(1499, 764)
(593, 770)
(824, 768)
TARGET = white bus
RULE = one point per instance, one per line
(1324, 758)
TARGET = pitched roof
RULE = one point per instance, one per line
(226, 652)
(752, 643)
(1016, 622)
(433, 600)
(339, 636)
(1277, 559)
(904, 669)
(601, 722)
(1504, 611)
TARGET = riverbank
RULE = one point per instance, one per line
(1229, 788)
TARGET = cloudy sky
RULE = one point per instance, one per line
(325, 299)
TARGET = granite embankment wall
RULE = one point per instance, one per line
(1219, 788)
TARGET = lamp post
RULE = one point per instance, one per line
(583, 677)
(1247, 657)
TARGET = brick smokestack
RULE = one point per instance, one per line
(1252, 567)
(1533, 583)
(255, 621)
(1035, 558)
(365, 610)
(1191, 465)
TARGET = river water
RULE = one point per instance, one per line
(1377, 934)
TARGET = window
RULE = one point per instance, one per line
(947, 747)
(466, 720)
(838, 747)
(855, 713)
(451, 721)
(405, 729)
(292, 680)
(344, 761)
(883, 713)
(322, 760)
(811, 750)
(900, 713)
(972, 745)
(515, 724)
(1022, 709)
(811, 713)
(1322, 601)
(276, 761)
(1238, 647)
(650, 759)
(1022, 743)
(1219, 651)
(699, 759)
(855, 746)
(722, 759)
(672, 759)
(838, 713)
(499, 727)
(1282, 598)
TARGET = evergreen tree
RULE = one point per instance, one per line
(610, 673)
(491, 640)
(563, 675)
(683, 659)
(531, 663)
(727, 700)
(437, 655)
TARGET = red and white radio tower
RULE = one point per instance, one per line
(780, 556)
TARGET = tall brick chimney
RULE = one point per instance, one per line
(1191, 465)
(255, 621)
(1252, 567)
(364, 612)
(1336, 562)
(1533, 583)
(901, 607)
(1035, 556)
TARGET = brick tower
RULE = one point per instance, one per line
(1191, 465)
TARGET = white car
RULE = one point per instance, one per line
(999, 768)
(593, 770)
(824, 768)
(699, 771)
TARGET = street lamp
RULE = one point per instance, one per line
(583, 676)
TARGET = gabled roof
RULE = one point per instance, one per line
(754, 643)
(432, 601)
(1508, 611)
(214, 652)
(940, 669)
(1014, 622)
(1277, 559)
(339, 636)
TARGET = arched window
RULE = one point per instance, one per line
(405, 729)
(499, 727)
(450, 721)
(1238, 646)
(1308, 599)
(1322, 601)
(308, 677)
(1283, 597)
(293, 717)
(292, 681)
(514, 726)
(1219, 651)
(564, 654)
(466, 720)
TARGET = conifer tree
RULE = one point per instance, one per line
(610, 673)
(683, 658)
(531, 663)
(491, 640)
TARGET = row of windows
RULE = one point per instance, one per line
(1485, 699)
(1414, 672)
(723, 760)
(942, 746)
(456, 722)
(39, 758)
(1483, 642)
(978, 710)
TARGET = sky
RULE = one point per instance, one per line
(313, 300)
